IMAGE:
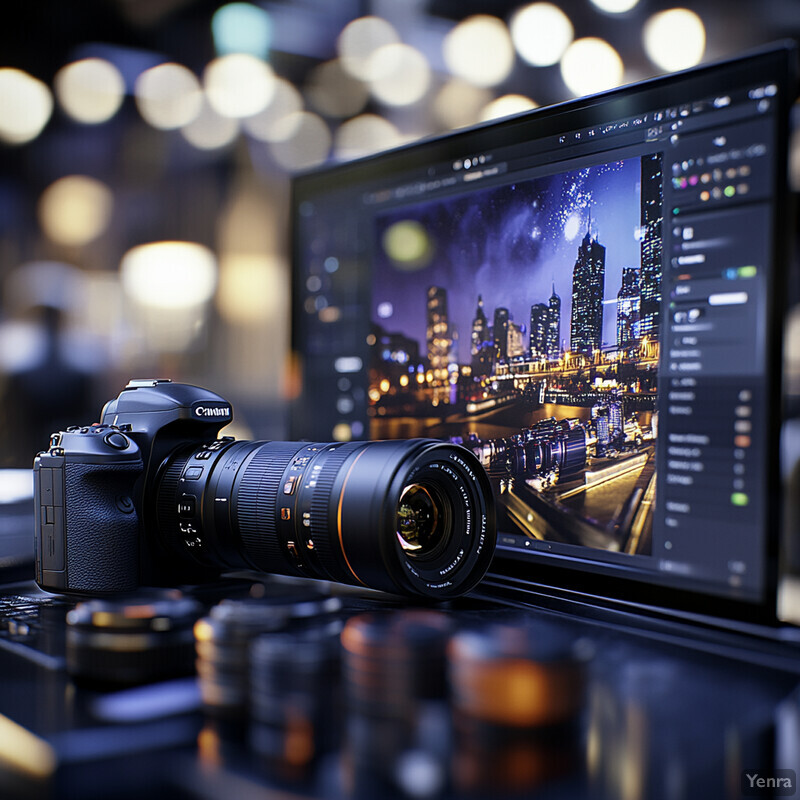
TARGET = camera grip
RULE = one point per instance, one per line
(101, 527)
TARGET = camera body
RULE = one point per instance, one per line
(90, 496)
(151, 496)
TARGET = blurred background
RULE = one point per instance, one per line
(146, 149)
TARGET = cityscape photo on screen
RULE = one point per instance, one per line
(522, 321)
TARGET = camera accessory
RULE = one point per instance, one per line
(517, 692)
(130, 640)
(398, 732)
(150, 496)
(223, 639)
(520, 675)
(295, 698)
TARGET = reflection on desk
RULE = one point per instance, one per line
(314, 691)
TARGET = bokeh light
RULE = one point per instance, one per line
(408, 245)
(674, 39)
(168, 96)
(359, 40)
(27, 105)
(615, 6)
(459, 103)
(239, 85)
(591, 65)
(401, 74)
(333, 91)
(252, 287)
(264, 125)
(169, 275)
(242, 28)
(209, 130)
(75, 210)
(90, 90)
(301, 140)
(505, 106)
(479, 50)
(541, 32)
(365, 134)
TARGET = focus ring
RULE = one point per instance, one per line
(322, 526)
(256, 503)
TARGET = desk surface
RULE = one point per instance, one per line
(367, 696)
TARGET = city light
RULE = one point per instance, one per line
(479, 50)
(674, 39)
(90, 90)
(591, 65)
(27, 105)
(75, 210)
(359, 40)
(238, 85)
(541, 32)
(169, 275)
(342, 432)
(168, 96)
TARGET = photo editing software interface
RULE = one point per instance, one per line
(583, 299)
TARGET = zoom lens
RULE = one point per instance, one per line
(414, 517)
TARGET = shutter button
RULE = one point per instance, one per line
(116, 440)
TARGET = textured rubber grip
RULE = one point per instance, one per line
(101, 527)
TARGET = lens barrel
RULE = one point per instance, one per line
(410, 517)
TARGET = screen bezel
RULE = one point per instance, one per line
(776, 63)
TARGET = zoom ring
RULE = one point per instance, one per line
(256, 504)
(322, 525)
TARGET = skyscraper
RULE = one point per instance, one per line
(629, 301)
(540, 321)
(438, 334)
(481, 343)
(500, 328)
(588, 286)
(480, 328)
(515, 340)
(554, 326)
(652, 216)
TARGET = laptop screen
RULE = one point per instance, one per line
(589, 297)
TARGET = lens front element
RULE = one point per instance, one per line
(423, 521)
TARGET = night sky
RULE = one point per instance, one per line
(510, 243)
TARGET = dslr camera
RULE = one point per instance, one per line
(151, 496)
